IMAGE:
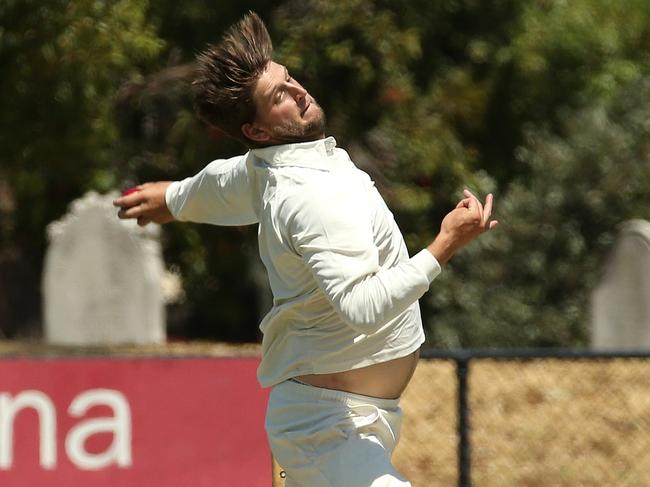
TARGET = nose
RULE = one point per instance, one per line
(297, 91)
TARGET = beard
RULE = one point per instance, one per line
(292, 132)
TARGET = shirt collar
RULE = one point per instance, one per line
(315, 154)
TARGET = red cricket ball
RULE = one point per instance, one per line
(128, 191)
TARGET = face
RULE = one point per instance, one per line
(286, 113)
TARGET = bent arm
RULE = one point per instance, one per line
(333, 233)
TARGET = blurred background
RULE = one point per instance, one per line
(546, 103)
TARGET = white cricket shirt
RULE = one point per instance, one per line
(344, 288)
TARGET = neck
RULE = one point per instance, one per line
(292, 140)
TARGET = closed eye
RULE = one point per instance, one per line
(279, 94)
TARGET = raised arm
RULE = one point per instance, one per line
(220, 194)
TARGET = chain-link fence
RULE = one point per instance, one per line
(528, 418)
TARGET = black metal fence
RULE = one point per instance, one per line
(533, 417)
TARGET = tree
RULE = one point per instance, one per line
(61, 64)
(530, 282)
(427, 96)
(557, 86)
(160, 138)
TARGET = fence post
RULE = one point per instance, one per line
(464, 460)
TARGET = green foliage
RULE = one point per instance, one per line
(529, 282)
(189, 25)
(61, 64)
(539, 101)
(596, 44)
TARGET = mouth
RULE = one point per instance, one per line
(305, 109)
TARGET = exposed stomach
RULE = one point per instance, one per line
(385, 380)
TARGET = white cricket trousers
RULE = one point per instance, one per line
(327, 438)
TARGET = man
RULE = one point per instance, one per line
(341, 341)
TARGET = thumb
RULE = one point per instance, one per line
(464, 203)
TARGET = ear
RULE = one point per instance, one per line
(255, 133)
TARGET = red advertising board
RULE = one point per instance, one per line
(100, 422)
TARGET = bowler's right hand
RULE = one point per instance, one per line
(146, 204)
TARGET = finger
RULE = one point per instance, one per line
(464, 203)
(143, 220)
(475, 204)
(492, 224)
(469, 194)
(132, 199)
(131, 212)
(487, 209)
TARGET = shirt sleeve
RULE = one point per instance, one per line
(220, 194)
(333, 232)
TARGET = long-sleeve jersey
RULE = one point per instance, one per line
(345, 292)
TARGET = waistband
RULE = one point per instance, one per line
(307, 391)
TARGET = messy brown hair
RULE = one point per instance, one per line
(226, 74)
